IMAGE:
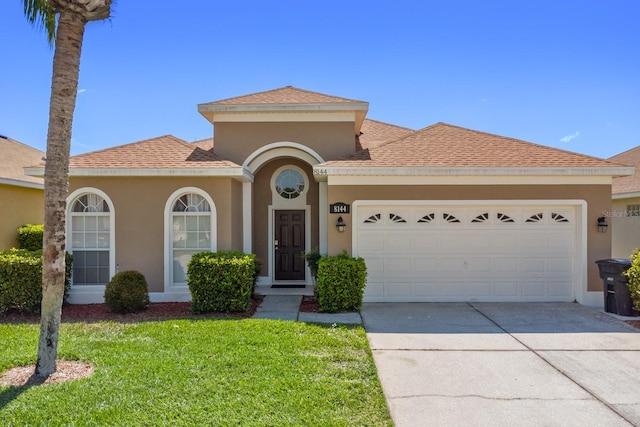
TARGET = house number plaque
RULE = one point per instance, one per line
(339, 208)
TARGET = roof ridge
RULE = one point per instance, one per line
(272, 91)
(389, 124)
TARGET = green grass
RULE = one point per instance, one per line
(185, 372)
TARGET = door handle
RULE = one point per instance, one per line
(275, 244)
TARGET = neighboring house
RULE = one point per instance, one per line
(21, 196)
(439, 214)
(624, 217)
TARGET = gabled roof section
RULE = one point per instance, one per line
(14, 157)
(375, 133)
(446, 149)
(627, 185)
(162, 156)
(285, 95)
(286, 103)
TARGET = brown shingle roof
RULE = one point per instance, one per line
(14, 156)
(374, 133)
(205, 144)
(627, 184)
(164, 152)
(446, 146)
(283, 95)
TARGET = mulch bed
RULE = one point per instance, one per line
(309, 305)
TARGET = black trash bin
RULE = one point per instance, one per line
(617, 297)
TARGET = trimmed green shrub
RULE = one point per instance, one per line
(340, 282)
(633, 274)
(21, 280)
(221, 281)
(127, 292)
(30, 236)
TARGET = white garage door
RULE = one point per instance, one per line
(468, 252)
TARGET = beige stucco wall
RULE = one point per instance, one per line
(598, 198)
(262, 199)
(18, 206)
(139, 204)
(625, 229)
(236, 141)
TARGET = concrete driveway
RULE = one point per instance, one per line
(502, 364)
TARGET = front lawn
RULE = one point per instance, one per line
(209, 372)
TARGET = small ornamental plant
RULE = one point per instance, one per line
(633, 274)
(312, 258)
(127, 292)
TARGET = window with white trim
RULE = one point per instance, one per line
(190, 232)
(90, 225)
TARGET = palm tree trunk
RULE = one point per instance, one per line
(64, 88)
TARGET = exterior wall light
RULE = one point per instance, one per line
(602, 225)
(340, 225)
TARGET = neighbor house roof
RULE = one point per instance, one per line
(447, 149)
(164, 155)
(628, 185)
(14, 156)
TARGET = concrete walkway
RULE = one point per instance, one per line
(499, 364)
(286, 307)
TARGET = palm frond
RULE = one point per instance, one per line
(41, 14)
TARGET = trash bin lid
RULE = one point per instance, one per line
(616, 261)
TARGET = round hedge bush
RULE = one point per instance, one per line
(127, 292)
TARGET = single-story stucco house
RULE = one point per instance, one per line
(21, 195)
(624, 216)
(439, 214)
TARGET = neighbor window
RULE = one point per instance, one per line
(90, 225)
(633, 210)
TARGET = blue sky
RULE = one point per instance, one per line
(562, 73)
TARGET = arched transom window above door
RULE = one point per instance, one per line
(289, 186)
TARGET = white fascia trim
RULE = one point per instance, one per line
(285, 116)
(467, 180)
(237, 172)
(277, 108)
(474, 171)
(280, 149)
(626, 195)
(18, 183)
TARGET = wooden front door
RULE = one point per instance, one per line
(289, 245)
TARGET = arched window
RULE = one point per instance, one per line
(191, 230)
(91, 244)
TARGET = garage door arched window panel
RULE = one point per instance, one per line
(396, 219)
(502, 217)
(558, 218)
(373, 219)
(481, 218)
(191, 230)
(427, 218)
(91, 239)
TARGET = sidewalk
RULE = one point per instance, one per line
(286, 307)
